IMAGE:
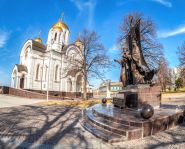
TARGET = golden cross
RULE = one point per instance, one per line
(79, 35)
(62, 16)
(39, 33)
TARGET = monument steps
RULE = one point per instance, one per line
(110, 125)
(97, 131)
(130, 118)
(114, 125)
(108, 130)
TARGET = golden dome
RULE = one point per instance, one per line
(78, 42)
(78, 39)
(60, 25)
(39, 40)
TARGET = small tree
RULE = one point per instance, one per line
(152, 50)
(164, 74)
(92, 60)
(179, 83)
(181, 54)
(182, 75)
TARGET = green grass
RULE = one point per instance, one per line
(180, 90)
(74, 103)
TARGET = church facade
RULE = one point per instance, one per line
(42, 66)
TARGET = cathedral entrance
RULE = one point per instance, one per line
(69, 85)
(22, 81)
(79, 84)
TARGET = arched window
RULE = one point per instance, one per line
(22, 80)
(79, 84)
(69, 85)
(73, 57)
(37, 72)
(64, 36)
(56, 73)
(55, 37)
(26, 53)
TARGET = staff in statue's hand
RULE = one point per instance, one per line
(117, 61)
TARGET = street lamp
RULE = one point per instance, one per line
(42, 56)
(48, 76)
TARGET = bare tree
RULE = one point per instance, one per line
(181, 54)
(164, 74)
(182, 75)
(152, 50)
(92, 61)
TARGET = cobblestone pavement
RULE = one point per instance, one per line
(44, 127)
(34, 126)
(170, 139)
(12, 101)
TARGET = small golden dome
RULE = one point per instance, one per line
(60, 26)
(39, 40)
(78, 42)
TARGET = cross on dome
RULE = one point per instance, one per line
(38, 39)
(60, 25)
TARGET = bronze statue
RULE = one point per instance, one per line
(134, 69)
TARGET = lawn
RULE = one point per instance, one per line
(180, 90)
(74, 103)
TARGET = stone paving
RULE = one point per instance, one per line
(35, 126)
(44, 127)
(11, 101)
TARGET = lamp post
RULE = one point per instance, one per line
(61, 69)
(42, 70)
(60, 74)
(48, 77)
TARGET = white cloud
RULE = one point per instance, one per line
(164, 2)
(113, 48)
(3, 38)
(95, 82)
(86, 7)
(177, 31)
(114, 52)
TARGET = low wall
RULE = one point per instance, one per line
(60, 94)
(64, 94)
(23, 93)
(41, 94)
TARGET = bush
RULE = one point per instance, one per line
(179, 83)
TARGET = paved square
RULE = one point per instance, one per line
(44, 127)
(36, 126)
(11, 101)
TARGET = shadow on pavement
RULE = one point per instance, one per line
(42, 126)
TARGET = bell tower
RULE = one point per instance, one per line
(58, 35)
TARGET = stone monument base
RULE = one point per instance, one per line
(112, 124)
(135, 96)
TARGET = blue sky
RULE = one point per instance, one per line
(23, 19)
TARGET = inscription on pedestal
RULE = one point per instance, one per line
(131, 100)
(136, 96)
(119, 102)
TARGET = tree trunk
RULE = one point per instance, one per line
(85, 87)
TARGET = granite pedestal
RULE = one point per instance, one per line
(113, 124)
(135, 96)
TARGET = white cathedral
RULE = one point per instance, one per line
(42, 65)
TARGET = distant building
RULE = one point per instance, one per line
(108, 89)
